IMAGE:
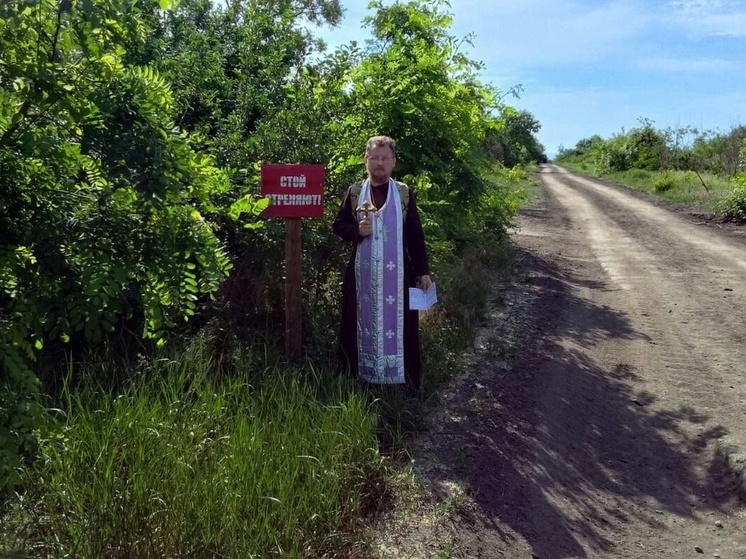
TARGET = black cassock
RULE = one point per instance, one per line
(415, 265)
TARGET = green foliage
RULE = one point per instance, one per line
(720, 153)
(512, 139)
(21, 416)
(256, 101)
(702, 192)
(237, 76)
(258, 91)
(469, 272)
(684, 165)
(664, 182)
(131, 141)
(615, 155)
(433, 105)
(733, 207)
(101, 213)
(647, 148)
(178, 464)
(467, 275)
(586, 145)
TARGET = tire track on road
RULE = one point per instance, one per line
(684, 286)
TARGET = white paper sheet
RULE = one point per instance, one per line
(420, 300)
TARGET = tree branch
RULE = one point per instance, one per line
(703, 183)
(5, 140)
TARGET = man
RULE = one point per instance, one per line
(379, 335)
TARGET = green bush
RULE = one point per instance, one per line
(665, 182)
(734, 205)
(21, 418)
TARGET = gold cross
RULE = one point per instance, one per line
(366, 208)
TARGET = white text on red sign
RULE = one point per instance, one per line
(294, 190)
(293, 181)
(295, 199)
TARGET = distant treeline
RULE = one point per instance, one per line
(664, 153)
(646, 147)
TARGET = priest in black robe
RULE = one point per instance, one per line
(379, 335)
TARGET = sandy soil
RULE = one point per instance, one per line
(601, 382)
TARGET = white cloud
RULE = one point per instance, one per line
(597, 66)
(725, 18)
(541, 32)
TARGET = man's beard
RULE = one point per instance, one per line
(379, 174)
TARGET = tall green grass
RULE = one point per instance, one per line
(704, 192)
(179, 464)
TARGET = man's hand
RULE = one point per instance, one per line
(365, 227)
(425, 282)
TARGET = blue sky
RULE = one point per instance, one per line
(596, 66)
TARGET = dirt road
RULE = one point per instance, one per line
(596, 433)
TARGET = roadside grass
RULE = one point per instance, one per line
(465, 283)
(277, 462)
(704, 192)
(530, 190)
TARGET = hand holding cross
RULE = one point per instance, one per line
(365, 227)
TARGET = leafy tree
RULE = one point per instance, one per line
(647, 147)
(587, 145)
(683, 148)
(414, 84)
(732, 152)
(254, 100)
(514, 139)
(678, 147)
(257, 90)
(242, 58)
(103, 205)
(641, 148)
(131, 138)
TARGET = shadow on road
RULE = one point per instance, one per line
(553, 446)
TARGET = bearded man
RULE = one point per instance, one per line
(379, 336)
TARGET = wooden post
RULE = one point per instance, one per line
(295, 192)
(293, 284)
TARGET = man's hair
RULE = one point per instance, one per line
(380, 141)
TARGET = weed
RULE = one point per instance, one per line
(664, 182)
(733, 207)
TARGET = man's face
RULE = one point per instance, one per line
(380, 162)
